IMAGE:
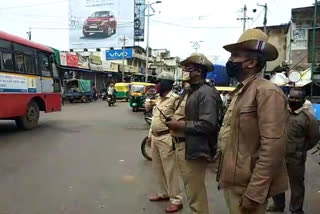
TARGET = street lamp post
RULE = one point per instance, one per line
(148, 7)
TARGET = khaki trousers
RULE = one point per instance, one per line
(164, 164)
(193, 175)
(233, 199)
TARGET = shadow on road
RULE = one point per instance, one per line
(8, 128)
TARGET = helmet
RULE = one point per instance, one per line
(165, 76)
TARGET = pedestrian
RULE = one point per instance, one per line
(94, 92)
(163, 154)
(303, 135)
(252, 137)
(194, 129)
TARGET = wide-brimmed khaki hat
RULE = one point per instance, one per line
(254, 40)
(199, 59)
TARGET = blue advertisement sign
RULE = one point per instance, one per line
(118, 54)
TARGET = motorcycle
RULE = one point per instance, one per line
(146, 149)
(111, 99)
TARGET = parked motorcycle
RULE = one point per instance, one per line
(146, 149)
(103, 95)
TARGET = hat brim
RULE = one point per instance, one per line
(210, 68)
(269, 51)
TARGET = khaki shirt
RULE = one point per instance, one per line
(224, 137)
(167, 106)
(180, 114)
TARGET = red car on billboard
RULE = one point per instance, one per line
(100, 22)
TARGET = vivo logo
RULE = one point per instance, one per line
(119, 54)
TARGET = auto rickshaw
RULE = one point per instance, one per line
(76, 90)
(122, 90)
(137, 94)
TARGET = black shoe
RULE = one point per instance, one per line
(274, 209)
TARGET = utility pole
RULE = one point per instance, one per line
(148, 7)
(265, 18)
(244, 19)
(314, 43)
(123, 51)
(29, 33)
(148, 35)
(265, 7)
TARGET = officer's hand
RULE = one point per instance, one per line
(175, 124)
(247, 204)
(149, 142)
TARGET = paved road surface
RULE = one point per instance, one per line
(86, 160)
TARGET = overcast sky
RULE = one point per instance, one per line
(175, 24)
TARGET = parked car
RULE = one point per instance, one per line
(100, 22)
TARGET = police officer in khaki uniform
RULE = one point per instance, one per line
(163, 154)
(194, 130)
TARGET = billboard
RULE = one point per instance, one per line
(118, 54)
(100, 23)
(139, 20)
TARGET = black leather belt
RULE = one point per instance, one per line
(158, 134)
(179, 139)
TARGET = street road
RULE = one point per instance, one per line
(86, 160)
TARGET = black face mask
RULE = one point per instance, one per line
(295, 105)
(165, 86)
(234, 69)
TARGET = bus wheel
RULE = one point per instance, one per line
(30, 119)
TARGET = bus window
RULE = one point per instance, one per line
(7, 61)
(29, 65)
(19, 63)
(44, 65)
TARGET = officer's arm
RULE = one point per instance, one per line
(208, 120)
